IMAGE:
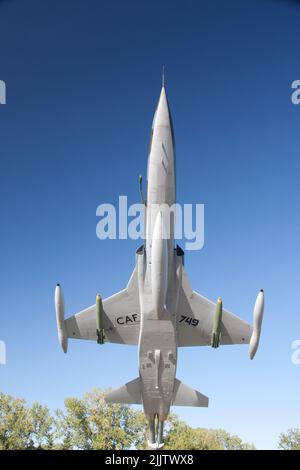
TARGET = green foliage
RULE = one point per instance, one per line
(91, 423)
(290, 440)
(183, 437)
(230, 441)
(22, 427)
(42, 427)
(15, 423)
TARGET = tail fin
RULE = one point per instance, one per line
(186, 396)
(129, 393)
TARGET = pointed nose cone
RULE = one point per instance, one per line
(162, 115)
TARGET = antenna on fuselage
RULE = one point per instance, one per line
(141, 190)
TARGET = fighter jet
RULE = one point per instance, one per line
(158, 310)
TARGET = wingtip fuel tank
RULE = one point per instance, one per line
(60, 318)
(258, 314)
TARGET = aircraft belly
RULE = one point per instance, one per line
(158, 360)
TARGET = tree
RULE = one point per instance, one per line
(15, 423)
(22, 427)
(230, 441)
(290, 440)
(42, 435)
(183, 437)
(91, 423)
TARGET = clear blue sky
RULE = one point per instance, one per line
(83, 78)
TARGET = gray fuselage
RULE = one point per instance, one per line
(159, 272)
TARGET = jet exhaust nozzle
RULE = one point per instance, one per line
(60, 318)
(258, 314)
(156, 435)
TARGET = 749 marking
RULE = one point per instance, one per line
(191, 321)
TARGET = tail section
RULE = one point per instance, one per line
(186, 396)
(130, 393)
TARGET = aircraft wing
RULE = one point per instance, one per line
(195, 320)
(121, 317)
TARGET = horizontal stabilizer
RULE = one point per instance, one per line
(129, 393)
(186, 396)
